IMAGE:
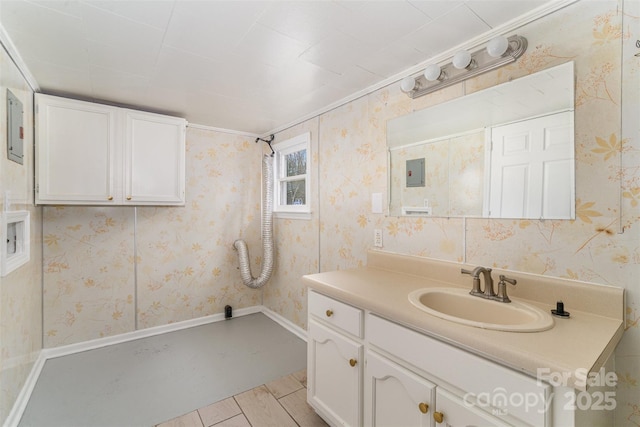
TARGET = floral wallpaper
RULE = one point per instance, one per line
(108, 271)
(20, 290)
(296, 243)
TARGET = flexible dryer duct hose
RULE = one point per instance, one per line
(267, 234)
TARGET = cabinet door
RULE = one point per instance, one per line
(456, 412)
(154, 159)
(395, 396)
(75, 151)
(334, 375)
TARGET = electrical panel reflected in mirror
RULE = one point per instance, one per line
(503, 152)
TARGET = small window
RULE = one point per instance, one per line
(291, 174)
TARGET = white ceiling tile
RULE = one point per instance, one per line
(25, 16)
(180, 70)
(306, 21)
(233, 118)
(212, 28)
(354, 78)
(494, 13)
(65, 49)
(292, 81)
(435, 8)
(129, 59)
(268, 46)
(111, 29)
(370, 21)
(117, 87)
(392, 59)
(60, 79)
(173, 102)
(231, 10)
(209, 36)
(137, 10)
(68, 7)
(447, 31)
(337, 52)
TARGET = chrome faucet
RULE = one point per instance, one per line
(488, 291)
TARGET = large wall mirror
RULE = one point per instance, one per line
(503, 152)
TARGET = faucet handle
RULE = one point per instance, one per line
(475, 290)
(502, 288)
(504, 278)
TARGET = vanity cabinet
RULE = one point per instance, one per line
(93, 154)
(395, 395)
(334, 360)
(409, 378)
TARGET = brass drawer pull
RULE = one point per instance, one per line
(438, 416)
(424, 408)
(353, 362)
(329, 313)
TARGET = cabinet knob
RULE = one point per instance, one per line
(110, 198)
(424, 408)
(128, 197)
(438, 416)
(353, 362)
(329, 313)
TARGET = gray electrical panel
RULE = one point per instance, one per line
(415, 173)
(15, 129)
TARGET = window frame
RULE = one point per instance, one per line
(281, 150)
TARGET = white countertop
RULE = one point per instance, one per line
(582, 342)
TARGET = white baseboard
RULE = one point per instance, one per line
(51, 353)
(25, 393)
(285, 323)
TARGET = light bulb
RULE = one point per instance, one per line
(497, 46)
(432, 72)
(461, 60)
(407, 84)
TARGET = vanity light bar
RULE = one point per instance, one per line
(464, 66)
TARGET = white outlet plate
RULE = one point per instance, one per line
(377, 238)
(15, 240)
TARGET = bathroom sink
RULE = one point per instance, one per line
(457, 305)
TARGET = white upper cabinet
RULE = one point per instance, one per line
(154, 159)
(75, 151)
(92, 154)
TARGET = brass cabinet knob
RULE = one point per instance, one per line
(353, 362)
(128, 197)
(438, 416)
(329, 313)
(424, 408)
(110, 198)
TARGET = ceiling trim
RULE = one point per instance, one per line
(13, 53)
(514, 24)
(222, 130)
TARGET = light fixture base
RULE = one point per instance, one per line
(482, 63)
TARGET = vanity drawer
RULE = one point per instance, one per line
(336, 313)
(475, 375)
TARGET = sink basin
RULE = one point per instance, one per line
(457, 305)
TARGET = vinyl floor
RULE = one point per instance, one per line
(148, 381)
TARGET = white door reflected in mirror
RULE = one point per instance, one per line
(531, 173)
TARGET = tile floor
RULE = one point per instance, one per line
(279, 403)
